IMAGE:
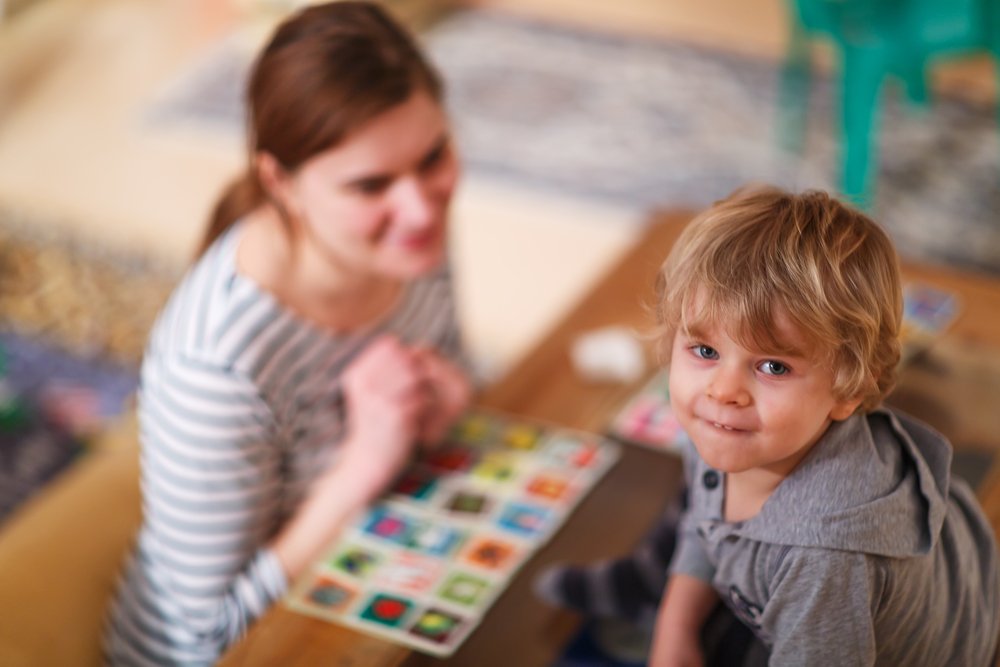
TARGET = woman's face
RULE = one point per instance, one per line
(378, 201)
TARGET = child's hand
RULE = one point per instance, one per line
(387, 395)
(450, 392)
(686, 604)
(680, 650)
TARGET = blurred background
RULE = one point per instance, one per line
(121, 120)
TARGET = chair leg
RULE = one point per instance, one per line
(863, 73)
(992, 28)
(915, 81)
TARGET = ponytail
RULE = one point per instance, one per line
(242, 196)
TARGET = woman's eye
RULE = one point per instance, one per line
(371, 186)
(433, 158)
(705, 352)
(771, 367)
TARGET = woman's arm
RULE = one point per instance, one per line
(211, 484)
(387, 397)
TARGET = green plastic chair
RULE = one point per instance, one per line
(876, 40)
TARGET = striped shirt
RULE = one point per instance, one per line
(240, 408)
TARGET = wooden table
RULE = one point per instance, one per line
(519, 630)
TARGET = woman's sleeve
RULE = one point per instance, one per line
(212, 492)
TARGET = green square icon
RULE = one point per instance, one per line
(388, 610)
(436, 625)
(356, 561)
(464, 589)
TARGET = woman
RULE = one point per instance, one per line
(311, 345)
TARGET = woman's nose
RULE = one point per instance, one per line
(415, 204)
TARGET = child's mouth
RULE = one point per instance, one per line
(727, 428)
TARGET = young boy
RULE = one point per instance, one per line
(829, 525)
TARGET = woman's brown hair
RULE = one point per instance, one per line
(326, 71)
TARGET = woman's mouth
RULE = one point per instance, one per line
(419, 241)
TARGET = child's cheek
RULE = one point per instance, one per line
(678, 394)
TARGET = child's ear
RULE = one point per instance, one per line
(843, 409)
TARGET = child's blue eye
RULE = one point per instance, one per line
(774, 368)
(705, 352)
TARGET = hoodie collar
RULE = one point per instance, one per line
(874, 483)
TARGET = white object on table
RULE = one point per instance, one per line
(609, 354)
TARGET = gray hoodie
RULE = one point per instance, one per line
(867, 553)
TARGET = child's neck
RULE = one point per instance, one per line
(747, 491)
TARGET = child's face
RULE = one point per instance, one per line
(746, 409)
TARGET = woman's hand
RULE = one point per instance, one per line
(388, 397)
(450, 394)
(395, 396)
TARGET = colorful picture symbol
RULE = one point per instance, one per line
(473, 429)
(496, 467)
(450, 458)
(464, 589)
(387, 610)
(521, 436)
(468, 503)
(550, 487)
(571, 453)
(356, 561)
(410, 572)
(390, 525)
(928, 309)
(651, 420)
(524, 519)
(436, 625)
(415, 484)
(331, 595)
(436, 539)
(491, 553)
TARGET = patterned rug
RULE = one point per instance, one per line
(73, 322)
(52, 403)
(645, 123)
(652, 124)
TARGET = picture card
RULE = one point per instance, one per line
(423, 565)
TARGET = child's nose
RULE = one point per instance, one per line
(727, 386)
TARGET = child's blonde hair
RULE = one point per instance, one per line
(829, 268)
